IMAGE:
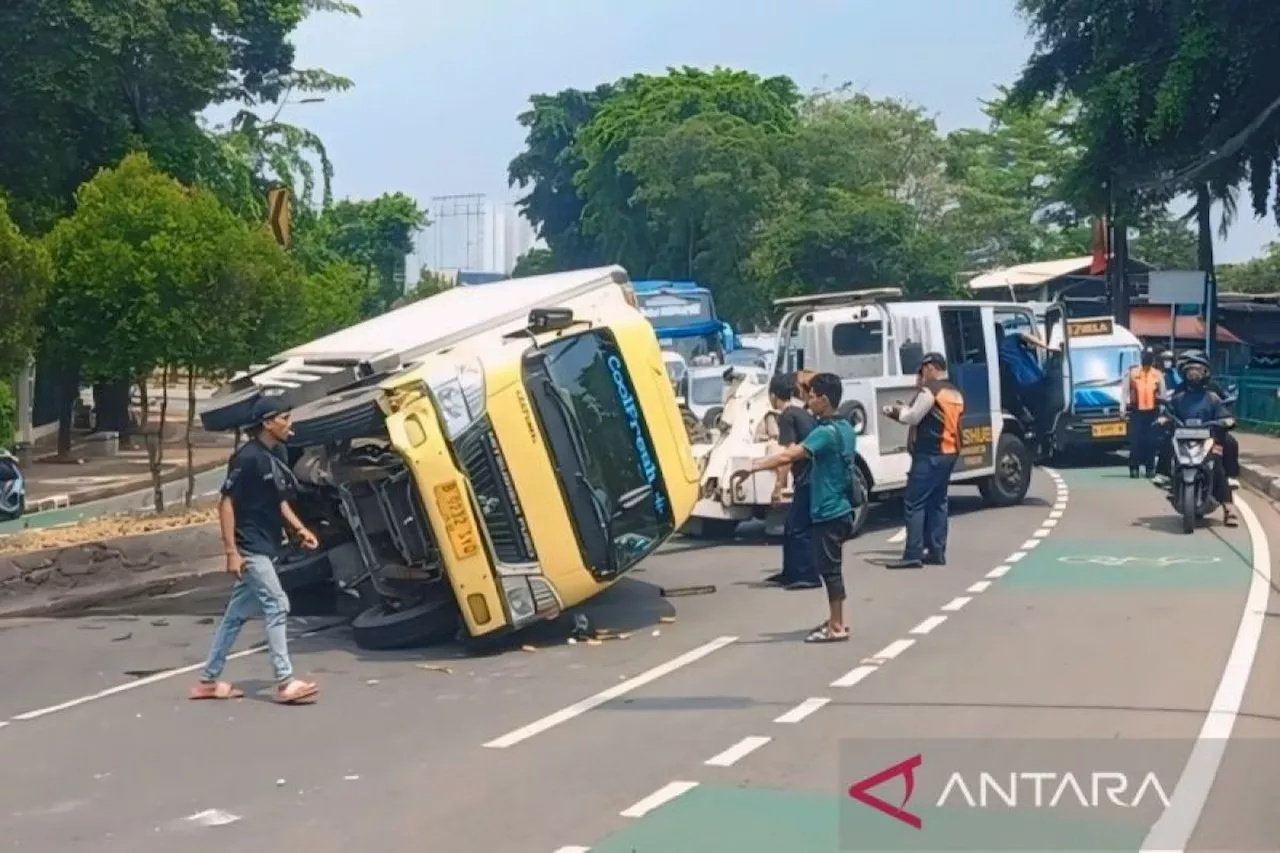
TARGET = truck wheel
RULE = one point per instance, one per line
(862, 510)
(350, 414)
(382, 628)
(307, 571)
(1012, 478)
(712, 416)
(852, 411)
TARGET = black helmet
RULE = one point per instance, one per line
(1193, 357)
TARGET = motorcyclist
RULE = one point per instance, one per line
(1194, 401)
(1173, 382)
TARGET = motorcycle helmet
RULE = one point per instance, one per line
(1193, 357)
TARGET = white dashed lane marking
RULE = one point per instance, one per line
(855, 676)
(803, 710)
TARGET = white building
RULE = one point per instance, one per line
(472, 233)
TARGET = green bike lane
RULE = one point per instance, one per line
(1098, 648)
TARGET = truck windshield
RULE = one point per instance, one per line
(1099, 367)
(707, 390)
(602, 449)
(701, 347)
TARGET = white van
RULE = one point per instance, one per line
(874, 343)
(1099, 355)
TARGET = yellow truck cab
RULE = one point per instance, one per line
(497, 454)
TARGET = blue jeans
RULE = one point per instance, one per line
(797, 546)
(926, 506)
(258, 589)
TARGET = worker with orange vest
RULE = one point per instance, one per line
(1143, 389)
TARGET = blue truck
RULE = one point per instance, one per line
(684, 316)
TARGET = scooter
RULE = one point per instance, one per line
(1194, 466)
(13, 488)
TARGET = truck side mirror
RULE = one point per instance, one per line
(910, 356)
(549, 319)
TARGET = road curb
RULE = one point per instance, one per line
(1261, 479)
(77, 601)
(108, 492)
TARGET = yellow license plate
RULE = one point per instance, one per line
(457, 521)
(1110, 430)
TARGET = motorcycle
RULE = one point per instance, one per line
(13, 488)
(1194, 467)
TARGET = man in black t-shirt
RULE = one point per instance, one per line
(252, 512)
(794, 425)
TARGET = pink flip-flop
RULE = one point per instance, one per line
(215, 690)
(297, 692)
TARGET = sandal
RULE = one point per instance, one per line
(215, 690)
(1229, 519)
(297, 692)
(824, 634)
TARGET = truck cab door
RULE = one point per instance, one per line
(1057, 363)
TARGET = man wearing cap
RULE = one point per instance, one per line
(252, 512)
(934, 416)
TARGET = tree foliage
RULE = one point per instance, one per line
(1259, 275)
(25, 273)
(86, 83)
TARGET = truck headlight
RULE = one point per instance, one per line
(459, 395)
(519, 600)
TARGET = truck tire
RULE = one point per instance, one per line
(381, 628)
(852, 411)
(712, 416)
(1012, 478)
(863, 509)
(350, 414)
(308, 571)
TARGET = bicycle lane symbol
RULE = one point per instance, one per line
(1162, 562)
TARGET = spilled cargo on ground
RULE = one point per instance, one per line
(486, 457)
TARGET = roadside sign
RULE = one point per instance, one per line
(1175, 287)
(280, 214)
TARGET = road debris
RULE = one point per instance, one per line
(594, 642)
(352, 778)
(105, 527)
(434, 667)
(160, 623)
(528, 648)
(678, 591)
(213, 817)
(122, 637)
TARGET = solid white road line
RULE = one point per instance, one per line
(956, 603)
(854, 675)
(660, 797)
(1174, 828)
(900, 536)
(928, 625)
(803, 710)
(143, 682)
(578, 708)
(738, 751)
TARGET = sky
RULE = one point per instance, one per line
(438, 85)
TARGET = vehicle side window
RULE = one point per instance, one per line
(964, 336)
(857, 339)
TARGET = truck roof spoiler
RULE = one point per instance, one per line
(835, 300)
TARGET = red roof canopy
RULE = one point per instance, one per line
(1152, 321)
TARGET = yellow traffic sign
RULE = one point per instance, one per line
(280, 214)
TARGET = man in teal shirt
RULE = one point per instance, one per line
(831, 448)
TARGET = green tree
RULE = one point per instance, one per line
(536, 261)
(546, 168)
(1257, 275)
(649, 107)
(25, 273)
(85, 83)
(374, 236)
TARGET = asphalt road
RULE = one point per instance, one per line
(1061, 631)
(136, 501)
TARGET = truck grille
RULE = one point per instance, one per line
(482, 461)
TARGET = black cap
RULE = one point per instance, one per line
(937, 359)
(269, 404)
